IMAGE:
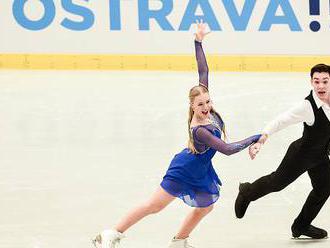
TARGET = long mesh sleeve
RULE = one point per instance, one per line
(206, 137)
(203, 69)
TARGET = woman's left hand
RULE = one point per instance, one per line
(254, 149)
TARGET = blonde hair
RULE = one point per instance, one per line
(193, 93)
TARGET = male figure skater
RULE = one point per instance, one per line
(309, 153)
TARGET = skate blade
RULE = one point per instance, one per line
(305, 238)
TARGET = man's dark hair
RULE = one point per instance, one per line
(320, 68)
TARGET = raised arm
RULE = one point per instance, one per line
(203, 69)
(204, 136)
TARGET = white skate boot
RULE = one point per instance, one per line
(179, 243)
(108, 239)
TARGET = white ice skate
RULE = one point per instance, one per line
(179, 243)
(108, 239)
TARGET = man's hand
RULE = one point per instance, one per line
(263, 138)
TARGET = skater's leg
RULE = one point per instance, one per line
(158, 201)
(191, 221)
(320, 178)
(291, 167)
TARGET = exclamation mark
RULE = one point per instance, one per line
(314, 9)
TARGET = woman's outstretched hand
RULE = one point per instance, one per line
(201, 30)
(254, 149)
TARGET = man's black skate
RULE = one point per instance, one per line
(311, 232)
(242, 202)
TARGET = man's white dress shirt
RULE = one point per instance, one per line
(302, 112)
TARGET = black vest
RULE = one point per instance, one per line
(316, 138)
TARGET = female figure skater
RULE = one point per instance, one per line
(190, 176)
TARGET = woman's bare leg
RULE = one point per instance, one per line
(158, 201)
(191, 221)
